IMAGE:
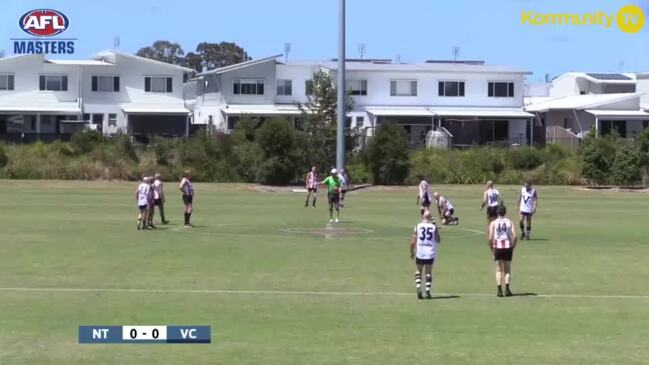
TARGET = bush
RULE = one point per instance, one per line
(3, 156)
(277, 141)
(388, 155)
(597, 156)
(626, 167)
(357, 173)
(85, 141)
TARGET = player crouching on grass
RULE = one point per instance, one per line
(528, 203)
(188, 196)
(423, 245)
(333, 194)
(142, 198)
(502, 239)
(445, 210)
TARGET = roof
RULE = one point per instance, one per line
(416, 67)
(65, 107)
(405, 111)
(477, 112)
(102, 54)
(602, 77)
(152, 109)
(262, 110)
(80, 62)
(578, 102)
(619, 114)
(240, 66)
(36, 101)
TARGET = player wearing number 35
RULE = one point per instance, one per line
(502, 241)
(423, 246)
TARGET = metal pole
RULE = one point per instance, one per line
(342, 90)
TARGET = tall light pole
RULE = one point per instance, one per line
(342, 89)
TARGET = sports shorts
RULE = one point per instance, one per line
(504, 254)
(157, 202)
(492, 212)
(188, 199)
(419, 261)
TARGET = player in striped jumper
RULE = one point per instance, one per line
(423, 246)
(502, 241)
(311, 182)
(142, 198)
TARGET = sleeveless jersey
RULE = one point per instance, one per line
(143, 194)
(493, 197)
(188, 189)
(312, 180)
(502, 233)
(424, 192)
(426, 242)
(157, 189)
(527, 200)
(445, 204)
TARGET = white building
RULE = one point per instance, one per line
(49, 99)
(579, 102)
(473, 102)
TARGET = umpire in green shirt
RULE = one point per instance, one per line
(333, 192)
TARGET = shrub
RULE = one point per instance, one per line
(358, 173)
(626, 167)
(277, 140)
(3, 156)
(388, 155)
(597, 156)
(85, 140)
(526, 158)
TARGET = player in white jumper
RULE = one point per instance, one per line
(445, 210)
(492, 199)
(142, 198)
(528, 203)
(423, 246)
(423, 197)
(502, 241)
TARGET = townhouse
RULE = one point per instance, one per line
(42, 99)
(578, 102)
(469, 101)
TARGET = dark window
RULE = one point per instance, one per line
(147, 84)
(86, 116)
(357, 87)
(116, 83)
(284, 87)
(53, 83)
(248, 87)
(158, 84)
(98, 119)
(6, 82)
(308, 86)
(501, 89)
(94, 83)
(41, 82)
(451, 88)
(170, 84)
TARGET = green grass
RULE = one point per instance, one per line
(82, 235)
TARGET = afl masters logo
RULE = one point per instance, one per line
(43, 24)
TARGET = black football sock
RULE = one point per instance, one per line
(186, 218)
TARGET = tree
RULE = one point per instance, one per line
(597, 157)
(319, 122)
(388, 154)
(164, 51)
(627, 165)
(277, 140)
(210, 56)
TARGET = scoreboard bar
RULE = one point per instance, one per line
(145, 334)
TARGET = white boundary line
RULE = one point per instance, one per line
(291, 292)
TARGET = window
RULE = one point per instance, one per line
(360, 121)
(98, 119)
(501, 89)
(6, 82)
(158, 84)
(308, 87)
(53, 83)
(284, 87)
(403, 88)
(357, 87)
(86, 116)
(451, 88)
(105, 83)
(112, 120)
(248, 87)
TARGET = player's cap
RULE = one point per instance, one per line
(334, 171)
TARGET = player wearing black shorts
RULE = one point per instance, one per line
(502, 241)
(491, 198)
(188, 196)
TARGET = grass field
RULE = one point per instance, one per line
(275, 290)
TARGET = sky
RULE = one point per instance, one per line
(412, 30)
